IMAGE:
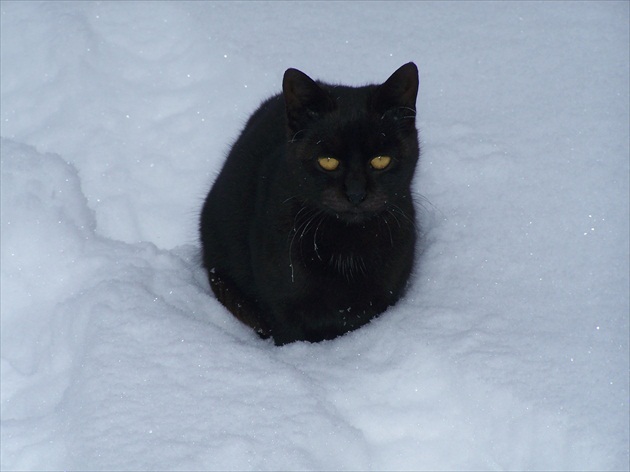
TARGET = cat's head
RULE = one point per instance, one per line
(352, 151)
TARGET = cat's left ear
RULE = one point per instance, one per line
(305, 100)
(399, 91)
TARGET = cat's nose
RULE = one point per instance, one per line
(355, 188)
(356, 197)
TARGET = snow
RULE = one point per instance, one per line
(510, 350)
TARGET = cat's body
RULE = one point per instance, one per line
(309, 230)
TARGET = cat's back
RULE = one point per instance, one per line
(232, 194)
(264, 132)
(230, 205)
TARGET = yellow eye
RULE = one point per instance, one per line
(328, 163)
(380, 162)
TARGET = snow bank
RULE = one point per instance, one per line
(510, 350)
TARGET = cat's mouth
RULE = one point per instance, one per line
(345, 210)
(352, 217)
(357, 214)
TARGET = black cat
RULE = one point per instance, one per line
(309, 230)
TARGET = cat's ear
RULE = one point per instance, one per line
(399, 92)
(304, 99)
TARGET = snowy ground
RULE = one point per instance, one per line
(510, 350)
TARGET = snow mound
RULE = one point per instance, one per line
(124, 361)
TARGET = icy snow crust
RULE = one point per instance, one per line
(510, 350)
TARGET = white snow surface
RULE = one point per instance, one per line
(510, 350)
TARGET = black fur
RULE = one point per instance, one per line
(298, 252)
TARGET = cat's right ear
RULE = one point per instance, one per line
(305, 100)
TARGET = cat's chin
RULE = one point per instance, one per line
(354, 217)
